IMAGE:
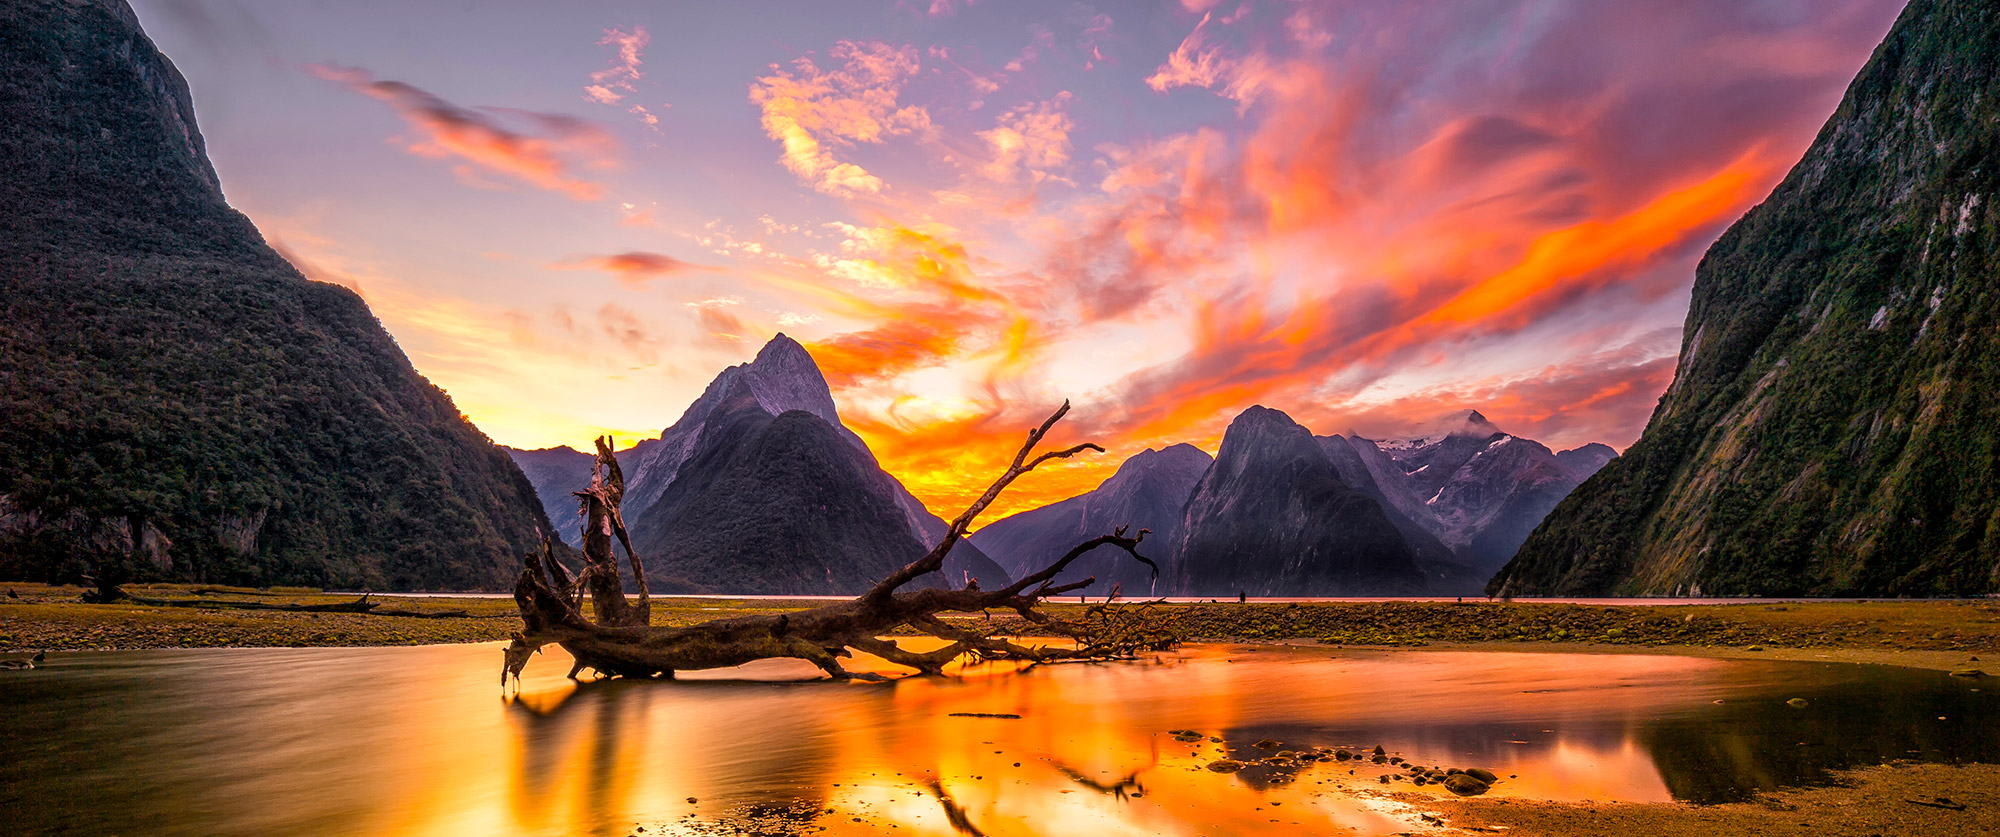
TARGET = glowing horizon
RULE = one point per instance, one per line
(572, 219)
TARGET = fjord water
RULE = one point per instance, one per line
(420, 741)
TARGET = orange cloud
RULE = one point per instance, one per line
(811, 111)
(448, 130)
(626, 329)
(1584, 251)
(945, 312)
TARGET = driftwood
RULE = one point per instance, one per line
(615, 639)
(361, 606)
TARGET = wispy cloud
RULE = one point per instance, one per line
(611, 85)
(812, 111)
(544, 154)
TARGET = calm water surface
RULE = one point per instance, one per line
(420, 741)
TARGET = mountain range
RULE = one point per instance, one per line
(1282, 512)
(177, 401)
(1832, 426)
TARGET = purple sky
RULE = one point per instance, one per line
(573, 215)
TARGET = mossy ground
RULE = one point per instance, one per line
(54, 618)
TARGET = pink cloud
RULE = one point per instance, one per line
(635, 268)
(1032, 138)
(811, 111)
(544, 158)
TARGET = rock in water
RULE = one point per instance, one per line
(1272, 517)
(175, 397)
(1832, 426)
(1465, 784)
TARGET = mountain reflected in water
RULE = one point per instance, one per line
(419, 741)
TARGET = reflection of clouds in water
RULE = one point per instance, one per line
(417, 740)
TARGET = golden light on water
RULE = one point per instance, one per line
(420, 741)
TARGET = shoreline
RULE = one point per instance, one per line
(1934, 660)
(1945, 635)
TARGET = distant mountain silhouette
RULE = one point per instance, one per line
(781, 380)
(774, 505)
(556, 473)
(1461, 494)
(1147, 492)
(1272, 516)
(1477, 488)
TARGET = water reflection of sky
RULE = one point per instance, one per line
(418, 740)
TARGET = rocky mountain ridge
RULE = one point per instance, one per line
(1460, 493)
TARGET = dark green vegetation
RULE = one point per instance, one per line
(1833, 427)
(178, 402)
(53, 618)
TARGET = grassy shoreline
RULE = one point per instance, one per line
(1927, 634)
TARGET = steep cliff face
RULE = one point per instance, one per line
(176, 401)
(1272, 517)
(1832, 426)
(1147, 492)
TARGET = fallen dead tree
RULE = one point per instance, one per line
(361, 606)
(616, 640)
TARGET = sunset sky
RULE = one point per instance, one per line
(1366, 214)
